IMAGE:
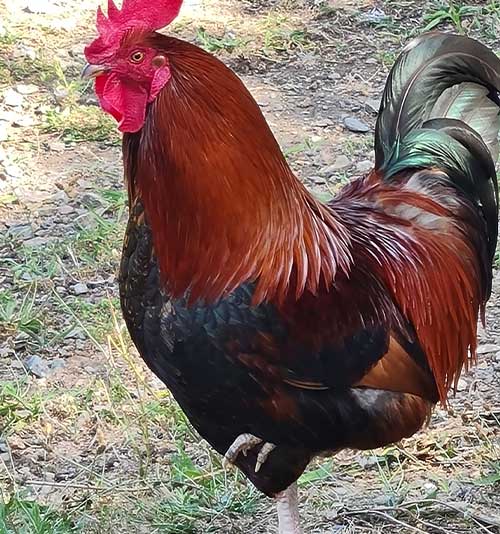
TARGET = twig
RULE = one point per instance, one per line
(382, 513)
(89, 487)
(475, 516)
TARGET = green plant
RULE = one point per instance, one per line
(451, 12)
(17, 407)
(214, 44)
(19, 515)
(20, 315)
(77, 123)
(279, 36)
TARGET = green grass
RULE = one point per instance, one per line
(308, 145)
(280, 36)
(213, 44)
(20, 314)
(19, 406)
(78, 123)
(20, 515)
(95, 316)
(455, 13)
(199, 495)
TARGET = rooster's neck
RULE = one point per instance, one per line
(223, 205)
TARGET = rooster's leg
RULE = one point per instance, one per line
(243, 443)
(288, 511)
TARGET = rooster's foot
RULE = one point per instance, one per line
(243, 443)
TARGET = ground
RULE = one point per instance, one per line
(90, 441)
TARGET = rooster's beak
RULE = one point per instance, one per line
(92, 71)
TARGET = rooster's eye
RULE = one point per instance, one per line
(137, 57)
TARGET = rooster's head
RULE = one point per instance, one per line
(129, 72)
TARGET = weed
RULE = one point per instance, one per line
(96, 316)
(198, 495)
(19, 515)
(387, 58)
(35, 263)
(81, 123)
(449, 12)
(492, 478)
(18, 406)
(280, 37)
(307, 145)
(20, 315)
(213, 44)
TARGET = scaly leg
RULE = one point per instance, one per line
(243, 443)
(288, 511)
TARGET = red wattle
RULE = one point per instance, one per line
(126, 102)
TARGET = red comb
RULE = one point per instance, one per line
(140, 14)
(137, 13)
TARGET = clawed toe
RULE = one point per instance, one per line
(242, 444)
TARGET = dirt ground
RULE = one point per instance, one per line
(89, 440)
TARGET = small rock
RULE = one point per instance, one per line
(429, 487)
(16, 443)
(24, 121)
(80, 288)
(37, 241)
(12, 98)
(364, 166)
(57, 146)
(341, 163)
(3, 446)
(322, 123)
(91, 200)
(356, 125)
(60, 93)
(374, 16)
(462, 385)
(21, 340)
(8, 115)
(37, 366)
(56, 364)
(487, 348)
(373, 105)
(13, 170)
(497, 357)
(23, 51)
(21, 231)
(317, 180)
(66, 210)
(84, 184)
(99, 281)
(60, 197)
(4, 131)
(305, 103)
(75, 333)
(27, 89)
(40, 7)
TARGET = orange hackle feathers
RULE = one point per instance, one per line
(222, 201)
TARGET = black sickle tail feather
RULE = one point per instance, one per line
(441, 109)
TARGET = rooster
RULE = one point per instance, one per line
(284, 327)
